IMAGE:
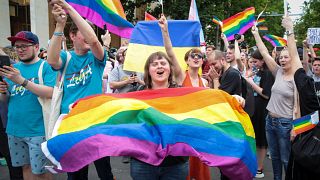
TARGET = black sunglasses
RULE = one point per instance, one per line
(196, 55)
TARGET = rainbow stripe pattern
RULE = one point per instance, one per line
(239, 23)
(275, 40)
(147, 38)
(216, 20)
(104, 12)
(306, 123)
(263, 29)
(149, 17)
(261, 21)
(152, 124)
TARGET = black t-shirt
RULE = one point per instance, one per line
(230, 81)
(308, 90)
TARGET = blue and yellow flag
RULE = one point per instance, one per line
(146, 39)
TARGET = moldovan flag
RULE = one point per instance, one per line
(146, 39)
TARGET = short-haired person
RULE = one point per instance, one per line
(84, 72)
(25, 126)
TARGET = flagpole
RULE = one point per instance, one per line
(285, 7)
(161, 1)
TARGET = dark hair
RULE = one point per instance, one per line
(211, 46)
(257, 55)
(231, 46)
(74, 28)
(316, 59)
(193, 50)
(151, 58)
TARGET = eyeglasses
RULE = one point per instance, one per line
(23, 47)
(196, 55)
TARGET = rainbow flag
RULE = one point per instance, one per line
(263, 29)
(261, 21)
(147, 38)
(216, 20)
(149, 17)
(306, 123)
(149, 125)
(275, 40)
(104, 12)
(239, 23)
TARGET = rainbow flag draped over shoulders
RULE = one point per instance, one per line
(239, 23)
(147, 38)
(275, 40)
(152, 124)
(104, 12)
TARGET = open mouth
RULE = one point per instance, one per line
(160, 72)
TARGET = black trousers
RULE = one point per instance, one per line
(103, 168)
(15, 172)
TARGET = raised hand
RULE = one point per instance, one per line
(106, 39)
(287, 23)
(12, 73)
(163, 23)
(254, 30)
(59, 14)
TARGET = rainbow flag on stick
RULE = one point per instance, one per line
(261, 21)
(147, 39)
(263, 29)
(275, 40)
(239, 23)
(104, 12)
(152, 124)
(216, 20)
(149, 17)
(306, 123)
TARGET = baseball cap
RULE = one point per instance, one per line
(24, 36)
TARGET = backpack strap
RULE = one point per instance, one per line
(60, 79)
(40, 73)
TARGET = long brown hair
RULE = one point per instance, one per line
(151, 58)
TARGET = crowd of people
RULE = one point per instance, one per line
(285, 85)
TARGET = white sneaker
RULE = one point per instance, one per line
(259, 174)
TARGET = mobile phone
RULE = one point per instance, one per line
(4, 61)
(279, 48)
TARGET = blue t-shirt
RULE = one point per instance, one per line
(24, 111)
(83, 77)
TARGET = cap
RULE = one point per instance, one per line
(24, 36)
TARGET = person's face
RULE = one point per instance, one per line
(285, 60)
(218, 65)
(26, 51)
(195, 60)
(230, 55)
(251, 62)
(209, 51)
(121, 55)
(316, 68)
(79, 41)
(159, 70)
(243, 57)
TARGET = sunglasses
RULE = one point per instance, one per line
(196, 56)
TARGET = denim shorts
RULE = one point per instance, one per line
(27, 151)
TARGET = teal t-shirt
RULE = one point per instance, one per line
(83, 77)
(24, 110)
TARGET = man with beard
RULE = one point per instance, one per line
(83, 75)
(21, 88)
(222, 75)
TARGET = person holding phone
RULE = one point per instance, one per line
(25, 126)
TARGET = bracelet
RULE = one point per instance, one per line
(25, 83)
(58, 34)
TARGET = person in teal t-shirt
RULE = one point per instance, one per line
(25, 126)
(84, 71)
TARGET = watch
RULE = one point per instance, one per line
(288, 33)
(25, 83)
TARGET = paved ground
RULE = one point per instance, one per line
(122, 171)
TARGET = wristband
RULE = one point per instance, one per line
(58, 34)
(288, 33)
(25, 83)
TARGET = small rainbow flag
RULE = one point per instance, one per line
(216, 20)
(104, 12)
(239, 23)
(261, 21)
(275, 40)
(150, 125)
(149, 17)
(306, 123)
(263, 29)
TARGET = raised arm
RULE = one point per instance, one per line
(237, 55)
(85, 29)
(178, 72)
(305, 57)
(56, 40)
(292, 47)
(270, 62)
(225, 41)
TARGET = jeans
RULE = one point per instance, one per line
(278, 137)
(103, 168)
(143, 171)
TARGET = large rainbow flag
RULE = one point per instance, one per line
(239, 23)
(275, 40)
(104, 12)
(147, 38)
(152, 124)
